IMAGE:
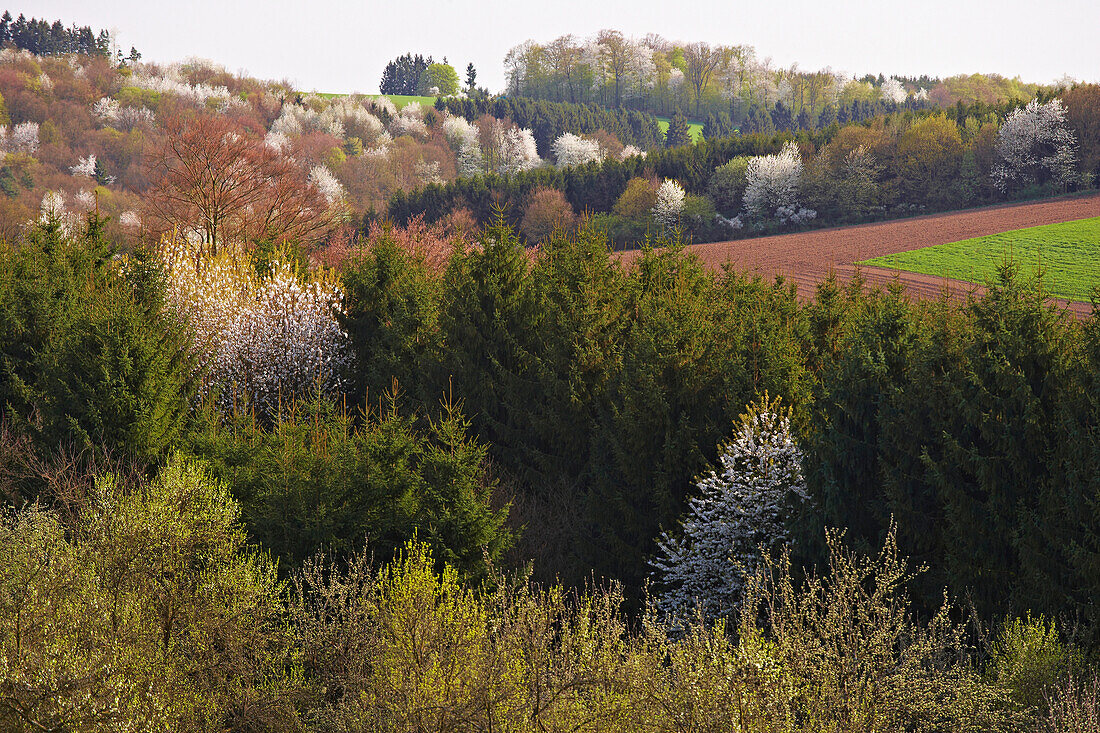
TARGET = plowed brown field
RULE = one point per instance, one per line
(807, 257)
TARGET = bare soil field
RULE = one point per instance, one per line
(808, 257)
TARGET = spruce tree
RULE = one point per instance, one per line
(678, 133)
(710, 127)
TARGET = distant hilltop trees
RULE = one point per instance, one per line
(43, 38)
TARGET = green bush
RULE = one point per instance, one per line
(147, 611)
(1030, 660)
(320, 480)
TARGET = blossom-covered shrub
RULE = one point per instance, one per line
(738, 511)
(266, 338)
(463, 138)
(21, 139)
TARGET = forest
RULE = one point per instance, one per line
(291, 441)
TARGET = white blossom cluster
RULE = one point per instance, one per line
(893, 91)
(11, 54)
(293, 120)
(45, 83)
(172, 83)
(54, 208)
(325, 182)
(277, 141)
(408, 124)
(1032, 141)
(570, 150)
(85, 199)
(794, 214)
(463, 138)
(518, 151)
(630, 151)
(23, 138)
(427, 171)
(130, 219)
(265, 340)
(669, 206)
(381, 146)
(355, 119)
(110, 113)
(772, 182)
(384, 104)
(85, 166)
(739, 510)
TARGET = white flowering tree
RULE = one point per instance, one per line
(772, 184)
(85, 167)
(893, 91)
(463, 139)
(738, 511)
(570, 150)
(1034, 145)
(518, 151)
(669, 206)
(266, 339)
(321, 178)
(21, 139)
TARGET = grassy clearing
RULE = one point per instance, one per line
(1069, 253)
(695, 128)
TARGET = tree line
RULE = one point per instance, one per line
(548, 120)
(892, 165)
(43, 38)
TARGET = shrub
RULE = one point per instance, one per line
(150, 611)
(547, 212)
(1030, 660)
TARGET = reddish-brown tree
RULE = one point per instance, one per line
(547, 212)
(215, 177)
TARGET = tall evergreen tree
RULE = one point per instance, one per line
(678, 133)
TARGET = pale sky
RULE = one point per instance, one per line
(342, 46)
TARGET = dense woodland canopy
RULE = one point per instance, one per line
(270, 462)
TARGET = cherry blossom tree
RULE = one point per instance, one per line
(739, 510)
(84, 167)
(21, 139)
(772, 187)
(1034, 145)
(669, 206)
(893, 91)
(266, 338)
(570, 150)
(463, 138)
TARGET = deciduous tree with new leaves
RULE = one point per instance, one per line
(739, 511)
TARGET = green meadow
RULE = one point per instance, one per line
(695, 128)
(1068, 253)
